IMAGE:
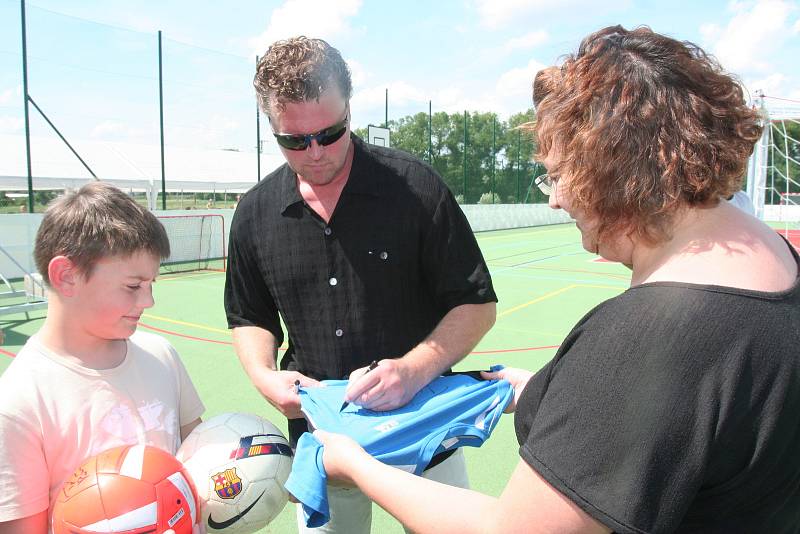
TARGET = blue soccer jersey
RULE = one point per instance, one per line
(452, 411)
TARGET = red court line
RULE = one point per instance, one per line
(171, 333)
(162, 331)
(791, 235)
(514, 350)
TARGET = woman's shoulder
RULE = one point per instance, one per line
(732, 250)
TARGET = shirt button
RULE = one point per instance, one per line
(333, 281)
(327, 230)
(339, 332)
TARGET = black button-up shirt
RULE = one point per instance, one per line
(396, 256)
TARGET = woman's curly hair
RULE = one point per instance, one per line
(299, 69)
(643, 125)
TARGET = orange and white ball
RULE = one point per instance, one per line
(132, 489)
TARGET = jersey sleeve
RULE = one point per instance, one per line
(24, 477)
(248, 301)
(612, 422)
(453, 265)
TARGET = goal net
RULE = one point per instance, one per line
(197, 242)
(773, 179)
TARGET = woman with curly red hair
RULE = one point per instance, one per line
(674, 406)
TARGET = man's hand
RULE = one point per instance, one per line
(279, 388)
(388, 386)
(518, 378)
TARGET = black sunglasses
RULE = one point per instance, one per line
(325, 137)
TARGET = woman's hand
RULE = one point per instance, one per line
(341, 456)
(517, 377)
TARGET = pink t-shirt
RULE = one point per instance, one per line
(55, 414)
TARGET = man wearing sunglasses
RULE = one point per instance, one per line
(361, 250)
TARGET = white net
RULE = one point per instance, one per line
(773, 179)
(197, 242)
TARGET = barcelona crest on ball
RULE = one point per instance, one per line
(227, 484)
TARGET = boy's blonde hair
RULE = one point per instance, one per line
(96, 221)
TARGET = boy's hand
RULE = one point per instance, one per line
(280, 389)
(517, 377)
(196, 529)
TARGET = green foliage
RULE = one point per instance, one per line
(498, 160)
(44, 197)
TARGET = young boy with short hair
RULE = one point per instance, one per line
(87, 381)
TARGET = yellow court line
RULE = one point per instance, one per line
(534, 301)
(558, 292)
(184, 323)
(601, 286)
(163, 278)
(517, 235)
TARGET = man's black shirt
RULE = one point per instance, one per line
(396, 256)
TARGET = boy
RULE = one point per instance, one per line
(85, 382)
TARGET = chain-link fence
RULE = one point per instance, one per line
(139, 108)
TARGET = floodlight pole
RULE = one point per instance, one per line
(494, 153)
(27, 116)
(519, 166)
(465, 156)
(386, 110)
(258, 138)
(61, 136)
(161, 123)
(430, 132)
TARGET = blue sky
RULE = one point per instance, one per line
(93, 63)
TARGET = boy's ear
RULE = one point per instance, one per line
(63, 275)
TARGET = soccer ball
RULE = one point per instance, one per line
(133, 489)
(239, 463)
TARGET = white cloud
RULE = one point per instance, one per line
(323, 19)
(518, 82)
(358, 74)
(710, 32)
(401, 93)
(527, 41)
(369, 104)
(510, 94)
(11, 95)
(456, 101)
(774, 84)
(108, 129)
(796, 27)
(751, 37)
(496, 14)
(11, 124)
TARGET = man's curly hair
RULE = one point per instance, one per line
(643, 125)
(297, 70)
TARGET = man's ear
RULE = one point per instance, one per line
(63, 275)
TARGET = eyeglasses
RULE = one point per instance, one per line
(546, 183)
(325, 137)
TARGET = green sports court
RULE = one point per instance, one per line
(160, 103)
(545, 282)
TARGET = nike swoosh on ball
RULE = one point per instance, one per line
(225, 524)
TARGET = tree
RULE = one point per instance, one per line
(498, 155)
